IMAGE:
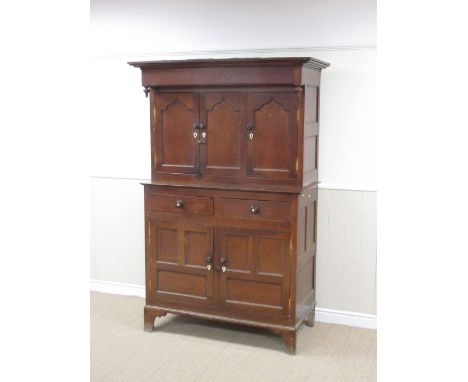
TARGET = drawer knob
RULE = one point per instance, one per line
(254, 209)
(179, 204)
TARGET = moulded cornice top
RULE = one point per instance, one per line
(308, 62)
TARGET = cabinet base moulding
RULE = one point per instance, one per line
(287, 333)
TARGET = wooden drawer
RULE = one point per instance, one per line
(254, 209)
(199, 205)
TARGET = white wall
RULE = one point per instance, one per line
(117, 231)
(346, 250)
(146, 27)
(340, 32)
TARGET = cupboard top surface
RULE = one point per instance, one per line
(275, 189)
(275, 61)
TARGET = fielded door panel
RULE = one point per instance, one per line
(175, 149)
(272, 134)
(178, 254)
(222, 115)
(257, 271)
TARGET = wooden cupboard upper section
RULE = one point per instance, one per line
(249, 124)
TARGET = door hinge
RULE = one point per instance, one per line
(289, 303)
(298, 114)
(297, 164)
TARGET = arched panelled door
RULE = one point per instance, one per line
(272, 132)
(175, 116)
(222, 114)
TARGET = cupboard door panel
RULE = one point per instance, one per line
(181, 284)
(257, 272)
(272, 141)
(254, 292)
(177, 255)
(175, 149)
(237, 246)
(221, 150)
(166, 244)
(198, 244)
(270, 252)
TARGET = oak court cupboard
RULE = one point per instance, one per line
(231, 209)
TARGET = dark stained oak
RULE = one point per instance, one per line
(255, 209)
(289, 341)
(181, 203)
(172, 127)
(231, 209)
(179, 254)
(272, 139)
(261, 284)
(150, 315)
(222, 151)
(225, 72)
(256, 122)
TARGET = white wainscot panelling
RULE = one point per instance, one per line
(117, 231)
(346, 250)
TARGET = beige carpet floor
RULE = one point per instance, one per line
(188, 349)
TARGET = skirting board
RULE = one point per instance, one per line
(331, 316)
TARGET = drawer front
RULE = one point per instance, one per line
(255, 209)
(199, 205)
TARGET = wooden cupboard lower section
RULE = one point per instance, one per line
(246, 269)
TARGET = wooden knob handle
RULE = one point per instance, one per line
(254, 209)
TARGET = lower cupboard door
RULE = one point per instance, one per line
(256, 271)
(178, 255)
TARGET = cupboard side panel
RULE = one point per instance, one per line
(311, 134)
(306, 252)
